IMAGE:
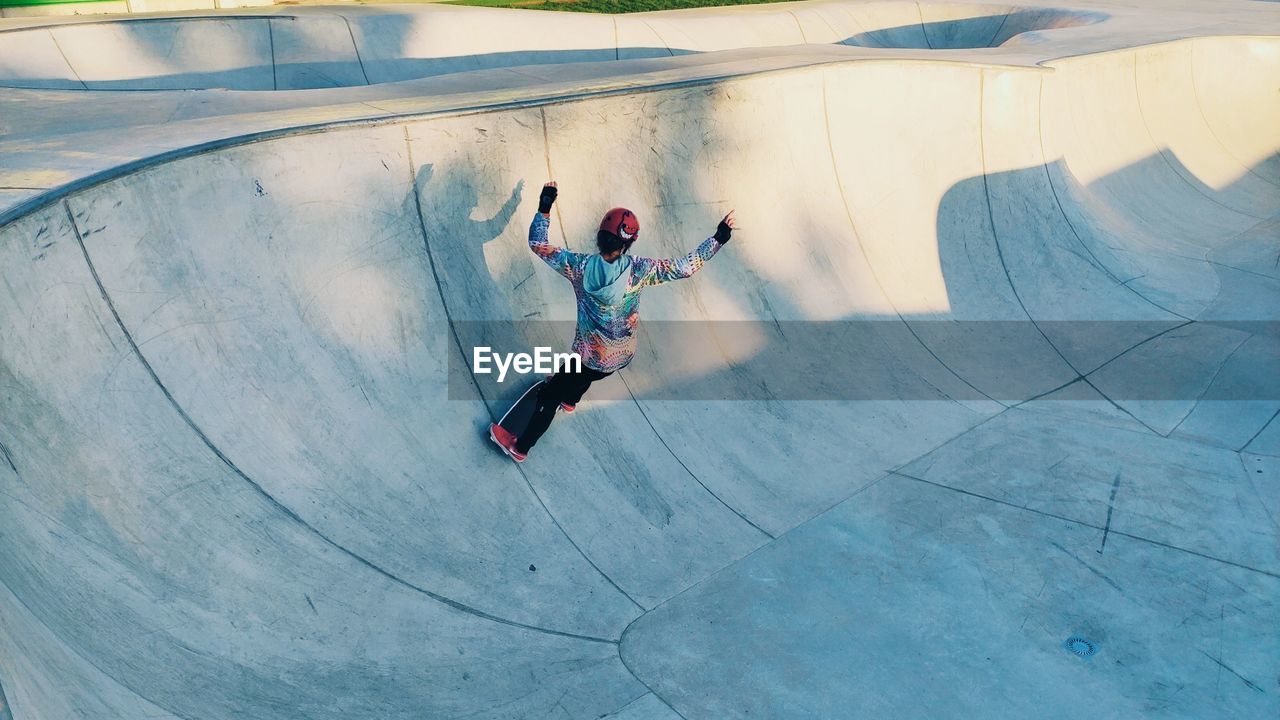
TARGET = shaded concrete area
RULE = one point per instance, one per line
(242, 476)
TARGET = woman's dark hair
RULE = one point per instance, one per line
(607, 242)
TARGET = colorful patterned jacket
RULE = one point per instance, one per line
(608, 294)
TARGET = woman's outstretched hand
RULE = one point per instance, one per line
(724, 231)
(547, 197)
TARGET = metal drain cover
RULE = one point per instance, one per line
(1083, 647)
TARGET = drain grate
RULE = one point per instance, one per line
(1083, 647)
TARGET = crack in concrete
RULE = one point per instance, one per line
(1082, 523)
(1111, 504)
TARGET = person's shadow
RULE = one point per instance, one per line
(457, 240)
(486, 275)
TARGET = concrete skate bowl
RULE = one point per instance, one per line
(321, 50)
(236, 484)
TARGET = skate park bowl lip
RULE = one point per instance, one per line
(304, 49)
(256, 129)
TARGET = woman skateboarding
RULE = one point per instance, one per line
(607, 286)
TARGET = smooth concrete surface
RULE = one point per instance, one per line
(315, 48)
(241, 475)
(925, 602)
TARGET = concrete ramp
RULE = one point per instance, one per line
(243, 472)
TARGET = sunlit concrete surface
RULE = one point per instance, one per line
(237, 482)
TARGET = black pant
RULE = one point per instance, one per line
(563, 387)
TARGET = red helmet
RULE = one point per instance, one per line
(621, 222)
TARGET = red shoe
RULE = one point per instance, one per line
(506, 441)
(567, 408)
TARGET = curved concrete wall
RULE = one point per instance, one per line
(119, 7)
(318, 50)
(237, 490)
